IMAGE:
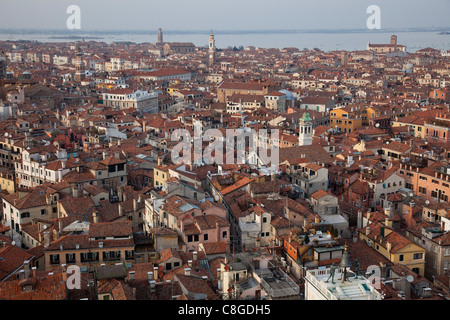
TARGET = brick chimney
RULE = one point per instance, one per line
(388, 246)
(46, 239)
(27, 268)
(75, 191)
(120, 193)
(155, 273)
(95, 216)
(359, 221)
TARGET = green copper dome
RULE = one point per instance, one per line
(306, 117)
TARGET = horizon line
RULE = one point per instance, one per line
(224, 31)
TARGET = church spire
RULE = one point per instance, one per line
(211, 49)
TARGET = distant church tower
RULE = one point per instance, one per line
(394, 39)
(344, 58)
(79, 65)
(305, 136)
(212, 49)
(160, 36)
(2, 64)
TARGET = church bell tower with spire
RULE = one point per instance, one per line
(306, 131)
(79, 64)
(211, 49)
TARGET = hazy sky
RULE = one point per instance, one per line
(223, 15)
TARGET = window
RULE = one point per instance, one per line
(418, 256)
(54, 259)
(89, 256)
(70, 257)
(264, 220)
(401, 257)
(205, 237)
(24, 215)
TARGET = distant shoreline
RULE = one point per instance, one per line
(75, 37)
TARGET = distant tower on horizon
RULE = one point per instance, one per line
(344, 58)
(160, 36)
(2, 64)
(79, 65)
(211, 49)
(394, 39)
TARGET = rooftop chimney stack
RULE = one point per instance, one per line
(95, 216)
(155, 273)
(27, 268)
(46, 239)
(75, 191)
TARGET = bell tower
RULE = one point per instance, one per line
(305, 136)
(79, 65)
(2, 64)
(211, 49)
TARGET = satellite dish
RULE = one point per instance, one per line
(44, 227)
(6, 134)
(410, 278)
(377, 125)
(411, 194)
(13, 243)
(427, 202)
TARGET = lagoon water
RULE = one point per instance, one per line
(326, 41)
